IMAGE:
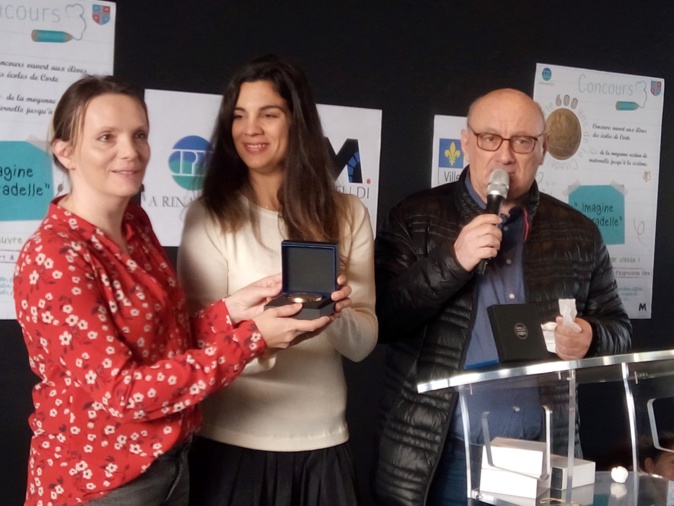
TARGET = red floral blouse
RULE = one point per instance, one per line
(109, 336)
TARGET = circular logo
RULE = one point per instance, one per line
(521, 331)
(547, 74)
(186, 162)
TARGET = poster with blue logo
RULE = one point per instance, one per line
(448, 157)
(182, 124)
(46, 46)
(355, 139)
(603, 158)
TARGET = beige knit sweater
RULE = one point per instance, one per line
(296, 399)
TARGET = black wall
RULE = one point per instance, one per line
(412, 59)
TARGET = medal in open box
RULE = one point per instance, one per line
(309, 275)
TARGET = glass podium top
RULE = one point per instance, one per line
(587, 370)
(647, 400)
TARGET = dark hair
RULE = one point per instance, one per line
(69, 113)
(311, 206)
(648, 451)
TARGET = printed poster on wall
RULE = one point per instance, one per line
(604, 160)
(46, 46)
(448, 159)
(355, 139)
(180, 129)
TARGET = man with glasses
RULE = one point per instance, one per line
(432, 305)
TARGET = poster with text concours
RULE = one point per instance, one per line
(46, 46)
(180, 131)
(604, 160)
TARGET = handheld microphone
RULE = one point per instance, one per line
(497, 191)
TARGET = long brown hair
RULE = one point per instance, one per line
(311, 206)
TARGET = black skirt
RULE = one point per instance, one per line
(226, 475)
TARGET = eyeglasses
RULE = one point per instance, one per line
(522, 144)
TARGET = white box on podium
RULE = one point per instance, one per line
(516, 470)
(502, 482)
(583, 472)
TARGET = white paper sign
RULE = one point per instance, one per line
(448, 156)
(180, 130)
(355, 137)
(46, 46)
(604, 160)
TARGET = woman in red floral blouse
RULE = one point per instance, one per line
(106, 326)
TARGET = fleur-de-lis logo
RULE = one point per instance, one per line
(452, 153)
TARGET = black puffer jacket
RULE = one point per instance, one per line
(424, 305)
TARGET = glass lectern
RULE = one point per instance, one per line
(648, 382)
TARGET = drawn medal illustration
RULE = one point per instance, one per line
(564, 133)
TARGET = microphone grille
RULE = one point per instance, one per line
(499, 182)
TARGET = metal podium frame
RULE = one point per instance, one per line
(630, 369)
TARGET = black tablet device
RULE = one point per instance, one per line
(517, 333)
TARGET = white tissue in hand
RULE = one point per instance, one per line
(567, 308)
(549, 335)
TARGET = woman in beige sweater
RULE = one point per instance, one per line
(278, 435)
